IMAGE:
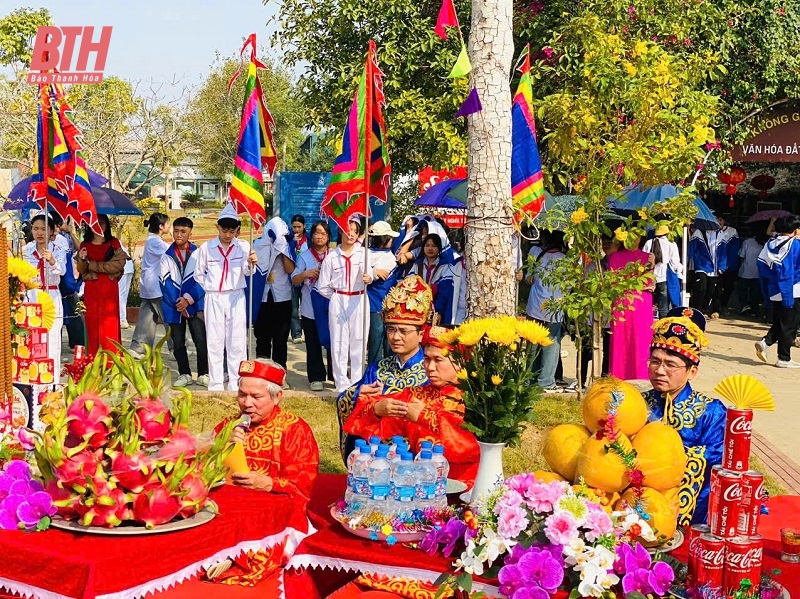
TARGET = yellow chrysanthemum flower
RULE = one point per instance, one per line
(450, 337)
(620, 234)
(462, 375)
(579, 216)
(23, 271)
(504, 333)
(533, 332)
(496, 379)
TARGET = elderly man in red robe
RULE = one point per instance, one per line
(281, 453)
(433, 411)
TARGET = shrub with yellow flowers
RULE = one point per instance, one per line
(496, 356)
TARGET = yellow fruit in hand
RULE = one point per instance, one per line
(631, 414)
(660, 455)
(561, 447)
(663, 515)
(600, 467)
(236, 460)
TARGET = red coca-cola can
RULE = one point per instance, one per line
(738, 432)
(724, 503)
(80, 351)
(752, 495)
(710, 561)
(693, 535)
(743, 560)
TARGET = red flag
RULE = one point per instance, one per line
(447, 18)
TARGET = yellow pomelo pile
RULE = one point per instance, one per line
(631, 413)
(660, 455)
(561, 448)
(601, 468)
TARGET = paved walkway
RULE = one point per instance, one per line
(777, 434)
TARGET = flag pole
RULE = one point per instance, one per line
(368, 84)
(250, 329)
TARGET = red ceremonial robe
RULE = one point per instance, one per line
(440, 422)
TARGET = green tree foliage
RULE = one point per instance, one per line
(328, 39)
(215, 116)
(17, 32)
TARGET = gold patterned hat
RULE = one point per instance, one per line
(408, 302)
(682, 331)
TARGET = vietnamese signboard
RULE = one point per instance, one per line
(777, 139)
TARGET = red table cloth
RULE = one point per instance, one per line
(56, 564)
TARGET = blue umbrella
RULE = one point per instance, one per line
(447, 194)
(18, 196)
(638, 197)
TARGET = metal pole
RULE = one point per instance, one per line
(253, 268)
(366, 298)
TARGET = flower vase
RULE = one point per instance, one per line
(490, 470)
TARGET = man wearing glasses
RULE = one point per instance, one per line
(406, 309)
(700, 420)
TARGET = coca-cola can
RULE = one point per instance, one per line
(724, 503)
(752, 495)
(79, 352)
(710, 561)
(693, 543)
(743, 560)
(738, 432)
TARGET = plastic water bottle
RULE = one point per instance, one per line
(348, 494)
(374, 443)
(426, 480)
(402, 448)
(396, 440)
(442, 470)
(426, 446)
(360, 491)
(404, 479)
(380, 478)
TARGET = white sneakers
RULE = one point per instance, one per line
(787, 364)
(203, 380)
(297, 340)
(761, 350)
(183, 381)
(123, 324)
(317, 386)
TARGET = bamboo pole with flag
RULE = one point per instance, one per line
(527, 181)
(255, 152)
(362, 169)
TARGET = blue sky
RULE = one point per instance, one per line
(163, 40)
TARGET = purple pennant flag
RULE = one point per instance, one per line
(471, 105)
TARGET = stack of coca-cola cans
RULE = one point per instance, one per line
(729, 549)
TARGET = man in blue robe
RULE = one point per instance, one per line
(699, 419)
(406, 309)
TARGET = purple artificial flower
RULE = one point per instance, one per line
(452, 533)
(539, 568)
(517, 551)
(20, 487)
(26, 439)
(8, 521)
(637, 580)
(531, 593)
(637, 559)
(18, 469)
(510, 579)
(8, 512)
(622, 551)
(5, 484)
(35, 508)
(35, 485)
(661, 578)
(430, 542)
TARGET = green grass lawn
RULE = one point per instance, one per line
(550, 410)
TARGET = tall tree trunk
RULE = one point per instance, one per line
(491, 286)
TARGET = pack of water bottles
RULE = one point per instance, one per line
(391, 480)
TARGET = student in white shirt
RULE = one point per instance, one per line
(667, 257)
(124, 289)
(274, 315)
(220, 269)
(342, 279)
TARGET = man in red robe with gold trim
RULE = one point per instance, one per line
(281, 453)
(433, 412)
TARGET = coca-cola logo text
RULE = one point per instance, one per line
(741, 426)
(733, 493)
(713, 557)
(745, 560)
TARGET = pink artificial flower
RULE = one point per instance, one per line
(561, 528)
(541, 497)
(511, 499)
(520, 482)
(511, 522)
(598, 522)
(26, 439)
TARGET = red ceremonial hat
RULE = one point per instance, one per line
(408, 302)
(262, 370)
(431, 336)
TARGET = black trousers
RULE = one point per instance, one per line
(586, 354)
(197, 329)
(703, 290)
(73, 321)
(784, 328)
(727, 281)
(661, 299)
(314, 362)
(272, 329)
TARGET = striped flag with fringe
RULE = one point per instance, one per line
(362, 169)
(256, 147)
(527, 180)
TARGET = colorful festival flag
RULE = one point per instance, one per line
(256, 145)
(60, 180)
(362, 168)
(447, 18)
(527, 184)
(463, 66)
(471, 105)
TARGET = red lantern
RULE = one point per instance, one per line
(763, 183)
(732, 180)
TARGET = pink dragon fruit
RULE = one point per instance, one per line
(195, 497)
(89, 420)
(153, 419)
(72, 472)
(155, 505)
(106, 506)
(180, 443)
(131, 472)
(66, 501)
